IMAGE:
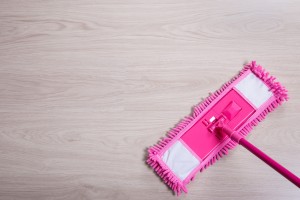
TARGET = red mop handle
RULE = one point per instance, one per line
(261, 155)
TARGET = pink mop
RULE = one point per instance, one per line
(217, 125)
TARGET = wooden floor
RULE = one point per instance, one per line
(87, 86)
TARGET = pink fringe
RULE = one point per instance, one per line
(166, 174)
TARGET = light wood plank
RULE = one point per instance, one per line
(87, 86)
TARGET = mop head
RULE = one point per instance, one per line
(190, 146)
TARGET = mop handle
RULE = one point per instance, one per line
(261, 155)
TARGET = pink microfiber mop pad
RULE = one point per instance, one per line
(192, 145)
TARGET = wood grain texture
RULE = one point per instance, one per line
(87, 86)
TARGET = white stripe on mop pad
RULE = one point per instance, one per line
(180, 160)
(254, 90)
